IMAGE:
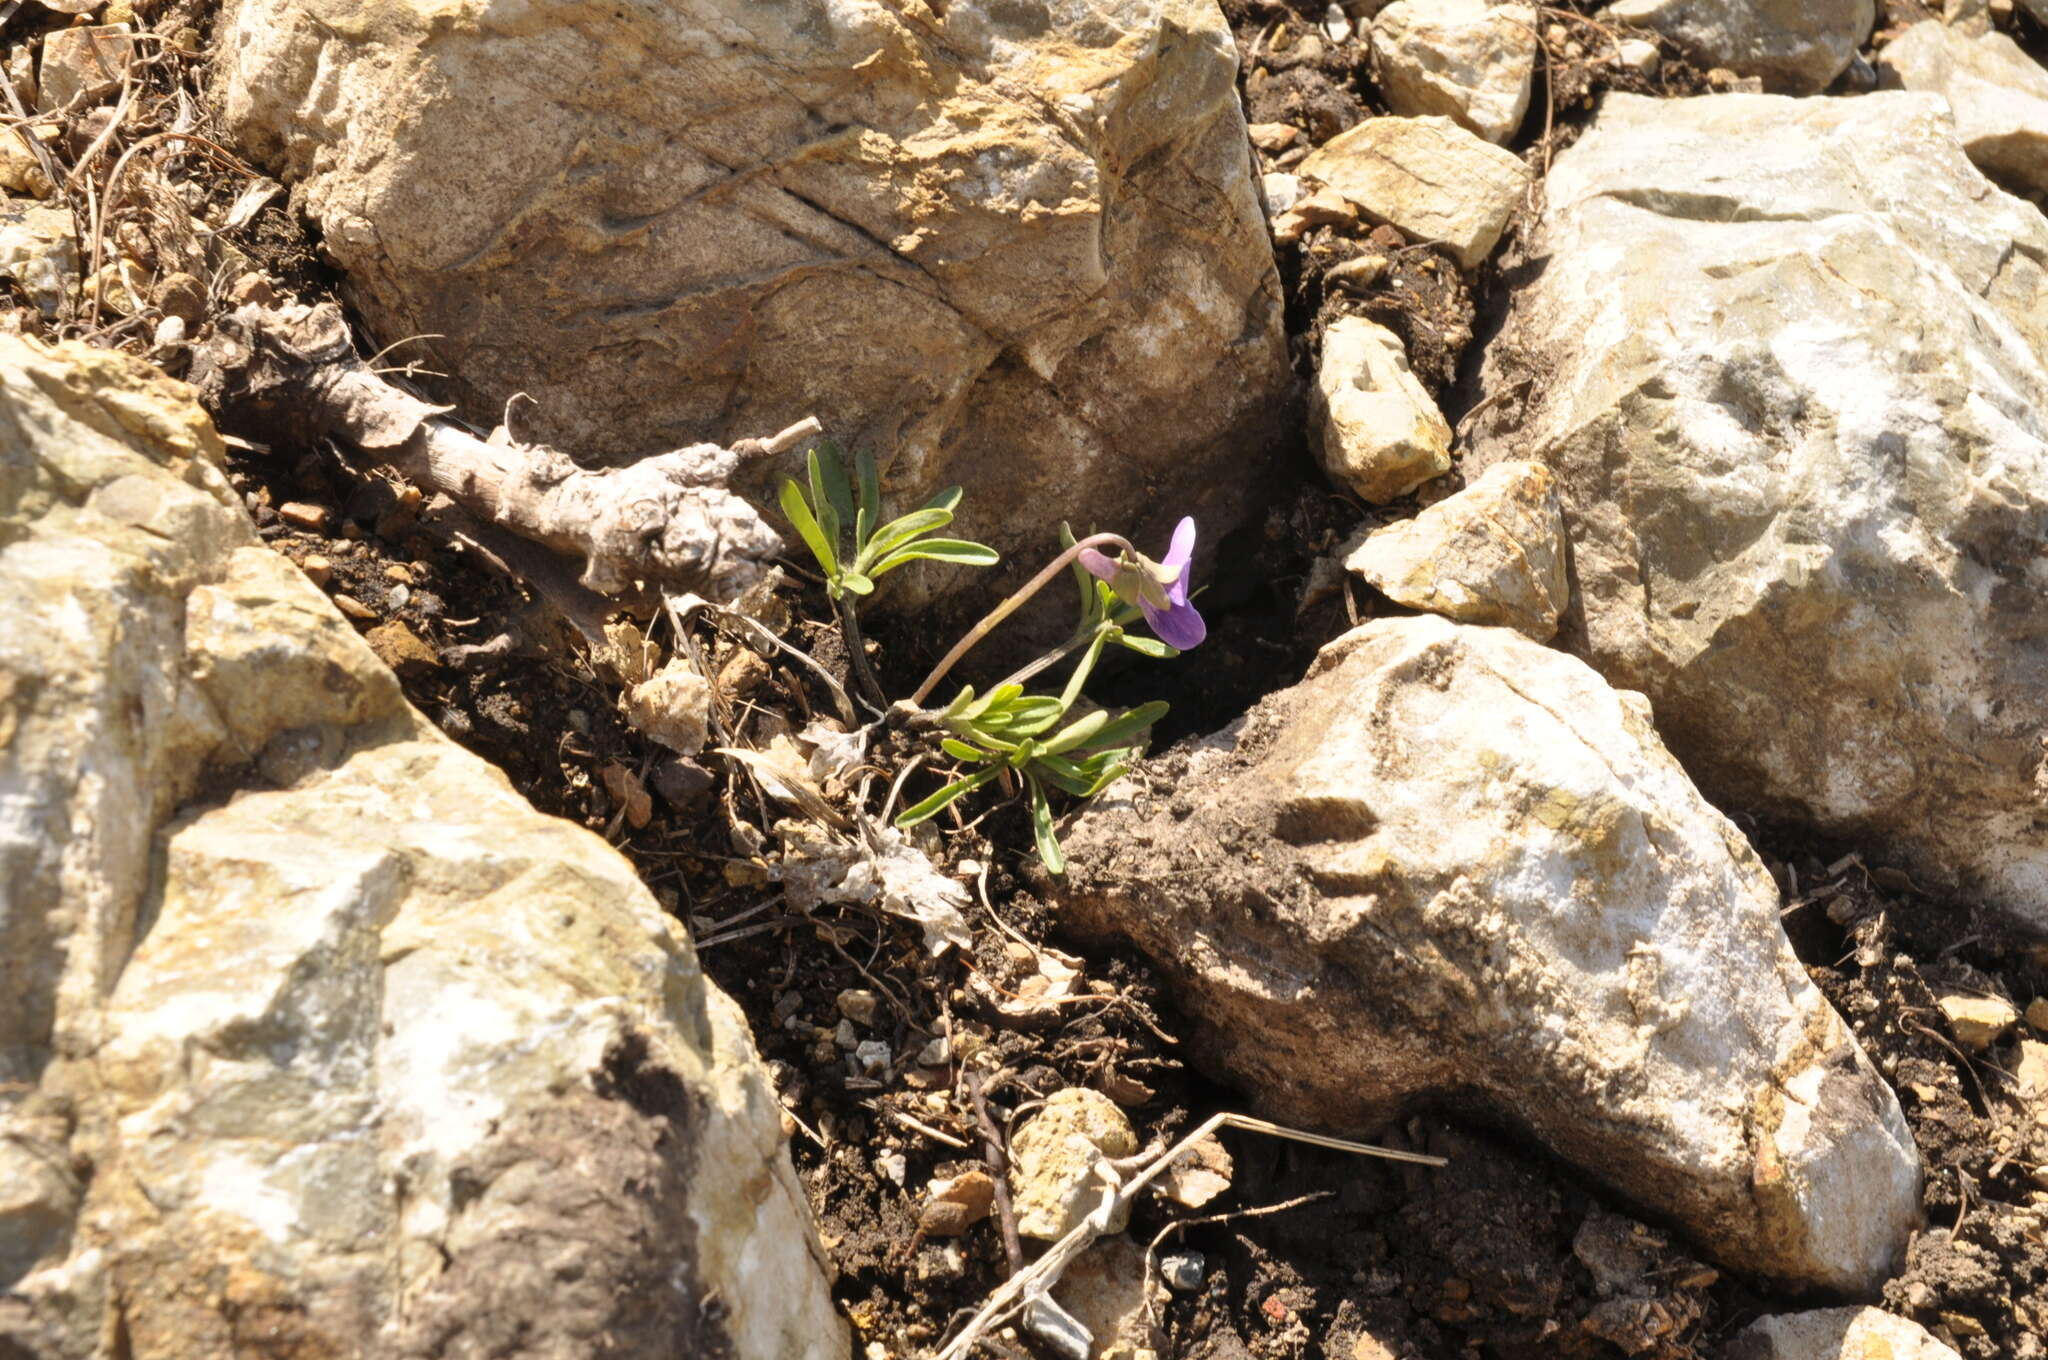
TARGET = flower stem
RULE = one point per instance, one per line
(857, 653)
(1010, 606)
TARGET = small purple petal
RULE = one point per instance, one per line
(1180, 627)
(1180, 553)
(1098, 565)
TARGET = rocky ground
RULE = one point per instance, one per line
(899, 1073)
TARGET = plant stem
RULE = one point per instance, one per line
(1051, 658)
(857, 653)
(1010, 606)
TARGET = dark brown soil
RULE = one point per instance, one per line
(1502, 1253)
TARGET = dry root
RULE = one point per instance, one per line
(665, 522)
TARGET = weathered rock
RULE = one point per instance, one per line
(1453, 863)
(1796, 46)
(1105, 1290)
(1998, 92)
(83, 64)
(1493, 553)
(1837, 1334)
(1793, 361)
(1374, 427)
(1428, 177)
(1976, 1020)
(1053, 1156)
(1464, 59)
(39, 251)
(1014, 248)
(326, 1042)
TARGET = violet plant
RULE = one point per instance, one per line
(1023, 741)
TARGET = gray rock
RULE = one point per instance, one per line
(1454, 862)
(365, 1055)
(1493, 553)
(1999, 95)
(1836, 1334)
(1428, 177)
(1374, 427)
(1790, 364)
(1464, 59)
(1795, 46)
(1016, 248)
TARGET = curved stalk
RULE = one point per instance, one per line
(857, 653)
(1010, 606)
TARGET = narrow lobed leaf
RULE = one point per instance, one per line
(807, 527)
(938, 802)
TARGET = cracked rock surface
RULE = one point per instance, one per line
(1453, 865)
(320, 1040)
(1793, 360)
(1015, 248)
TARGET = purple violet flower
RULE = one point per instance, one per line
(1158, 589)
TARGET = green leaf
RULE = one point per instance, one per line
(828, 488)
(955, 550)
(814, 537)
(1130, 724)
(1025, 717)
(1084, 581)
(960, 750)
(858, 583)
(1064, 774)
(999, 697)
(1078, 732)
(870, 514)
(1041, 830)
(959, 704)
(1082, 670)
(1145, 646)
(939, 801)
(947, 500)
(898, 532)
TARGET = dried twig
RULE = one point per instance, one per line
(997, 1156)
(1031, 1285)
(666, 522)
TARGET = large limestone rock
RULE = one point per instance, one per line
(1797, 46)
(1014, 247)
(1452, 864)
(1998, 92)
(1375, 428)
(1790, 363)
(319, 1040)
(1468, 60)
(1426, 177)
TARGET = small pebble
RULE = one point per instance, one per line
(398, 596)
(2037, 1013)
(1977, 1021)
(317, 568)
(957, 1204)
(302, 515)
(892, 1167)
(1182, 1270)
(937, 1053)
(872, 1055)
(354, 608)
(845, 1037)
(859, 1005)
(1638, 55)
